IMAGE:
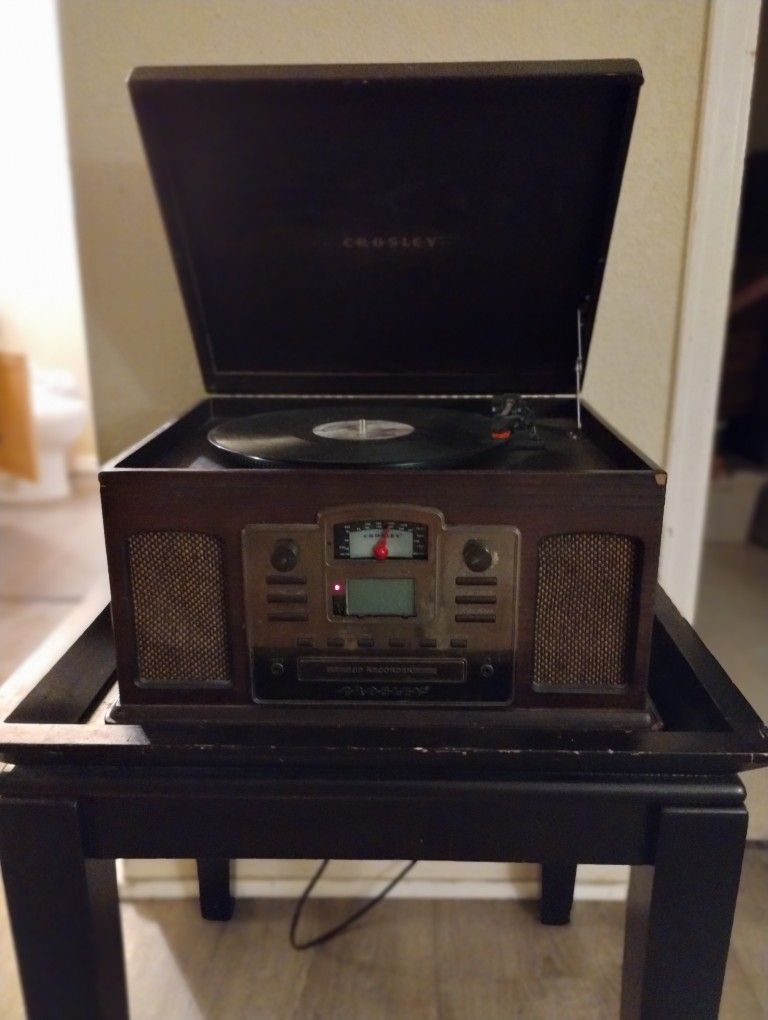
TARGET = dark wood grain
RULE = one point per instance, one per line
(557, 885)
(64, 914)
(216, 901)
(679, 916)
(67, 693)
(484, 313)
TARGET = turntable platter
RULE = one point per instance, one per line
(359, 436)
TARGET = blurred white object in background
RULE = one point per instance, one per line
(60, 415)
(732, 500)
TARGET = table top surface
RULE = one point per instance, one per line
(709, 728)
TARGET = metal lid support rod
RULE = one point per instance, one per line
(579, 367)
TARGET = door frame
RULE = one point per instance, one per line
(732, 34)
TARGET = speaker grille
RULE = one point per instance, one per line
(585, 610)
(177, 590)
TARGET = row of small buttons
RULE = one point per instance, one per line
(368, 642)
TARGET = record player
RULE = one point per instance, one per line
(393, 495)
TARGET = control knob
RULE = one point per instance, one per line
(285, 555)
(478, 555)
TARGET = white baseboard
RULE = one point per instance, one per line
(175, 889)
(363, 879)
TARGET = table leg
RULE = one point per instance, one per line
(64, 915)
(216, 903)
(680, 914)
(557, 884)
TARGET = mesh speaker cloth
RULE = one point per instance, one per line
(177, 589)
(584, 631)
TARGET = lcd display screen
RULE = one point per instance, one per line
(379, 596)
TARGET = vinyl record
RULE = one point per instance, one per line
(358, 436)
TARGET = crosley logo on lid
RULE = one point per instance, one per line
(423, 241)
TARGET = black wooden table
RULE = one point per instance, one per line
(388, 783)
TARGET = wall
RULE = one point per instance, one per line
(758, 124)
(142, 360)
(40, 308)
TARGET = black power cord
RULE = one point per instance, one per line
(331, 933)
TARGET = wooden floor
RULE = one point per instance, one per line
(51, 556)
(440, 960)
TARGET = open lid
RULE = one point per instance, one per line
(428, 228)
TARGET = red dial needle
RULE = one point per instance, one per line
(380, 550)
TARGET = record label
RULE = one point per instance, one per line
(362, 430)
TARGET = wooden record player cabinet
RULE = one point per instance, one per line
(430, 234)
(588, 556)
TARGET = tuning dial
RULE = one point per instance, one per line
(478, 555)
(285, 555)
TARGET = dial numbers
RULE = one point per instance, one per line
(380, 539)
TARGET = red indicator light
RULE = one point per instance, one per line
(338, 588)
(381, 549)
